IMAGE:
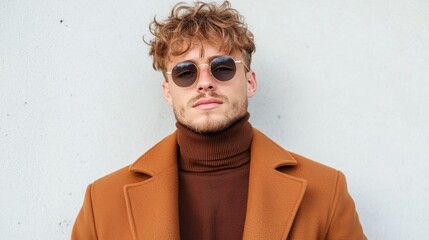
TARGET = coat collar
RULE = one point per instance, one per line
(273, 198)
(160, 157)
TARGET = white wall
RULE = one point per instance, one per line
(342, 82)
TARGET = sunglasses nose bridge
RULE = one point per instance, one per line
(205, 80)
(205, 65)
(202, 64)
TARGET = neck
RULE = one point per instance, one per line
(212, 152)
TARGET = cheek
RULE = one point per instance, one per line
(177, 97)
(240, 90)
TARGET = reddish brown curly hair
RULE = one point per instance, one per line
(220, 25)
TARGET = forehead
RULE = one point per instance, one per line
(200, 52)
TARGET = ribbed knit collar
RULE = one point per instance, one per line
(226, 149)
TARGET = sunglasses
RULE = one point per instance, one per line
(223, 68)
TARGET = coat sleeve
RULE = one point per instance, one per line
(84, 226)
(344, 221)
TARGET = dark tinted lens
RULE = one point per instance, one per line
(184, 74)
(223, 68)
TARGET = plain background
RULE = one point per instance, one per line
(342, 82)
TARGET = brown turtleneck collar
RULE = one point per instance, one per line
(226, 149)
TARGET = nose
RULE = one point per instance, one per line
(205, 81)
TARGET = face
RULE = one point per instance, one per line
(209, 105)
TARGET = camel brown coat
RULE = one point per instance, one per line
(290, 197)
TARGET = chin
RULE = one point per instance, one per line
(210, 123)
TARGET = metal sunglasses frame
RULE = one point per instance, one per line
(209, 64)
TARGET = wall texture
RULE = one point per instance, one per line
(342, 82)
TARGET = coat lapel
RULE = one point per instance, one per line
(152, 204)
(274, 197)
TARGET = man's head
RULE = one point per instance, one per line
(204, 52)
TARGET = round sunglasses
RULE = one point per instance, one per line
(222, 68)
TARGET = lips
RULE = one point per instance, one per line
(207, 102)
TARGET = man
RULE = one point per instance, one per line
(215, 177)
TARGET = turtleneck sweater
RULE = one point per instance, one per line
(213, 181)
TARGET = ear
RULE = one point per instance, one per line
(167, 94)
(252, 84)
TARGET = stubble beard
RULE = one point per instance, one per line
(237, 111)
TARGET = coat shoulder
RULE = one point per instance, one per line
(117, 180)
(320, 177)
(153, 161)
(305, 164)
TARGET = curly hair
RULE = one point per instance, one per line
(219, 25)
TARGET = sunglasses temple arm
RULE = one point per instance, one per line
(238, 61)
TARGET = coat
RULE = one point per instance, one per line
(289, 197)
